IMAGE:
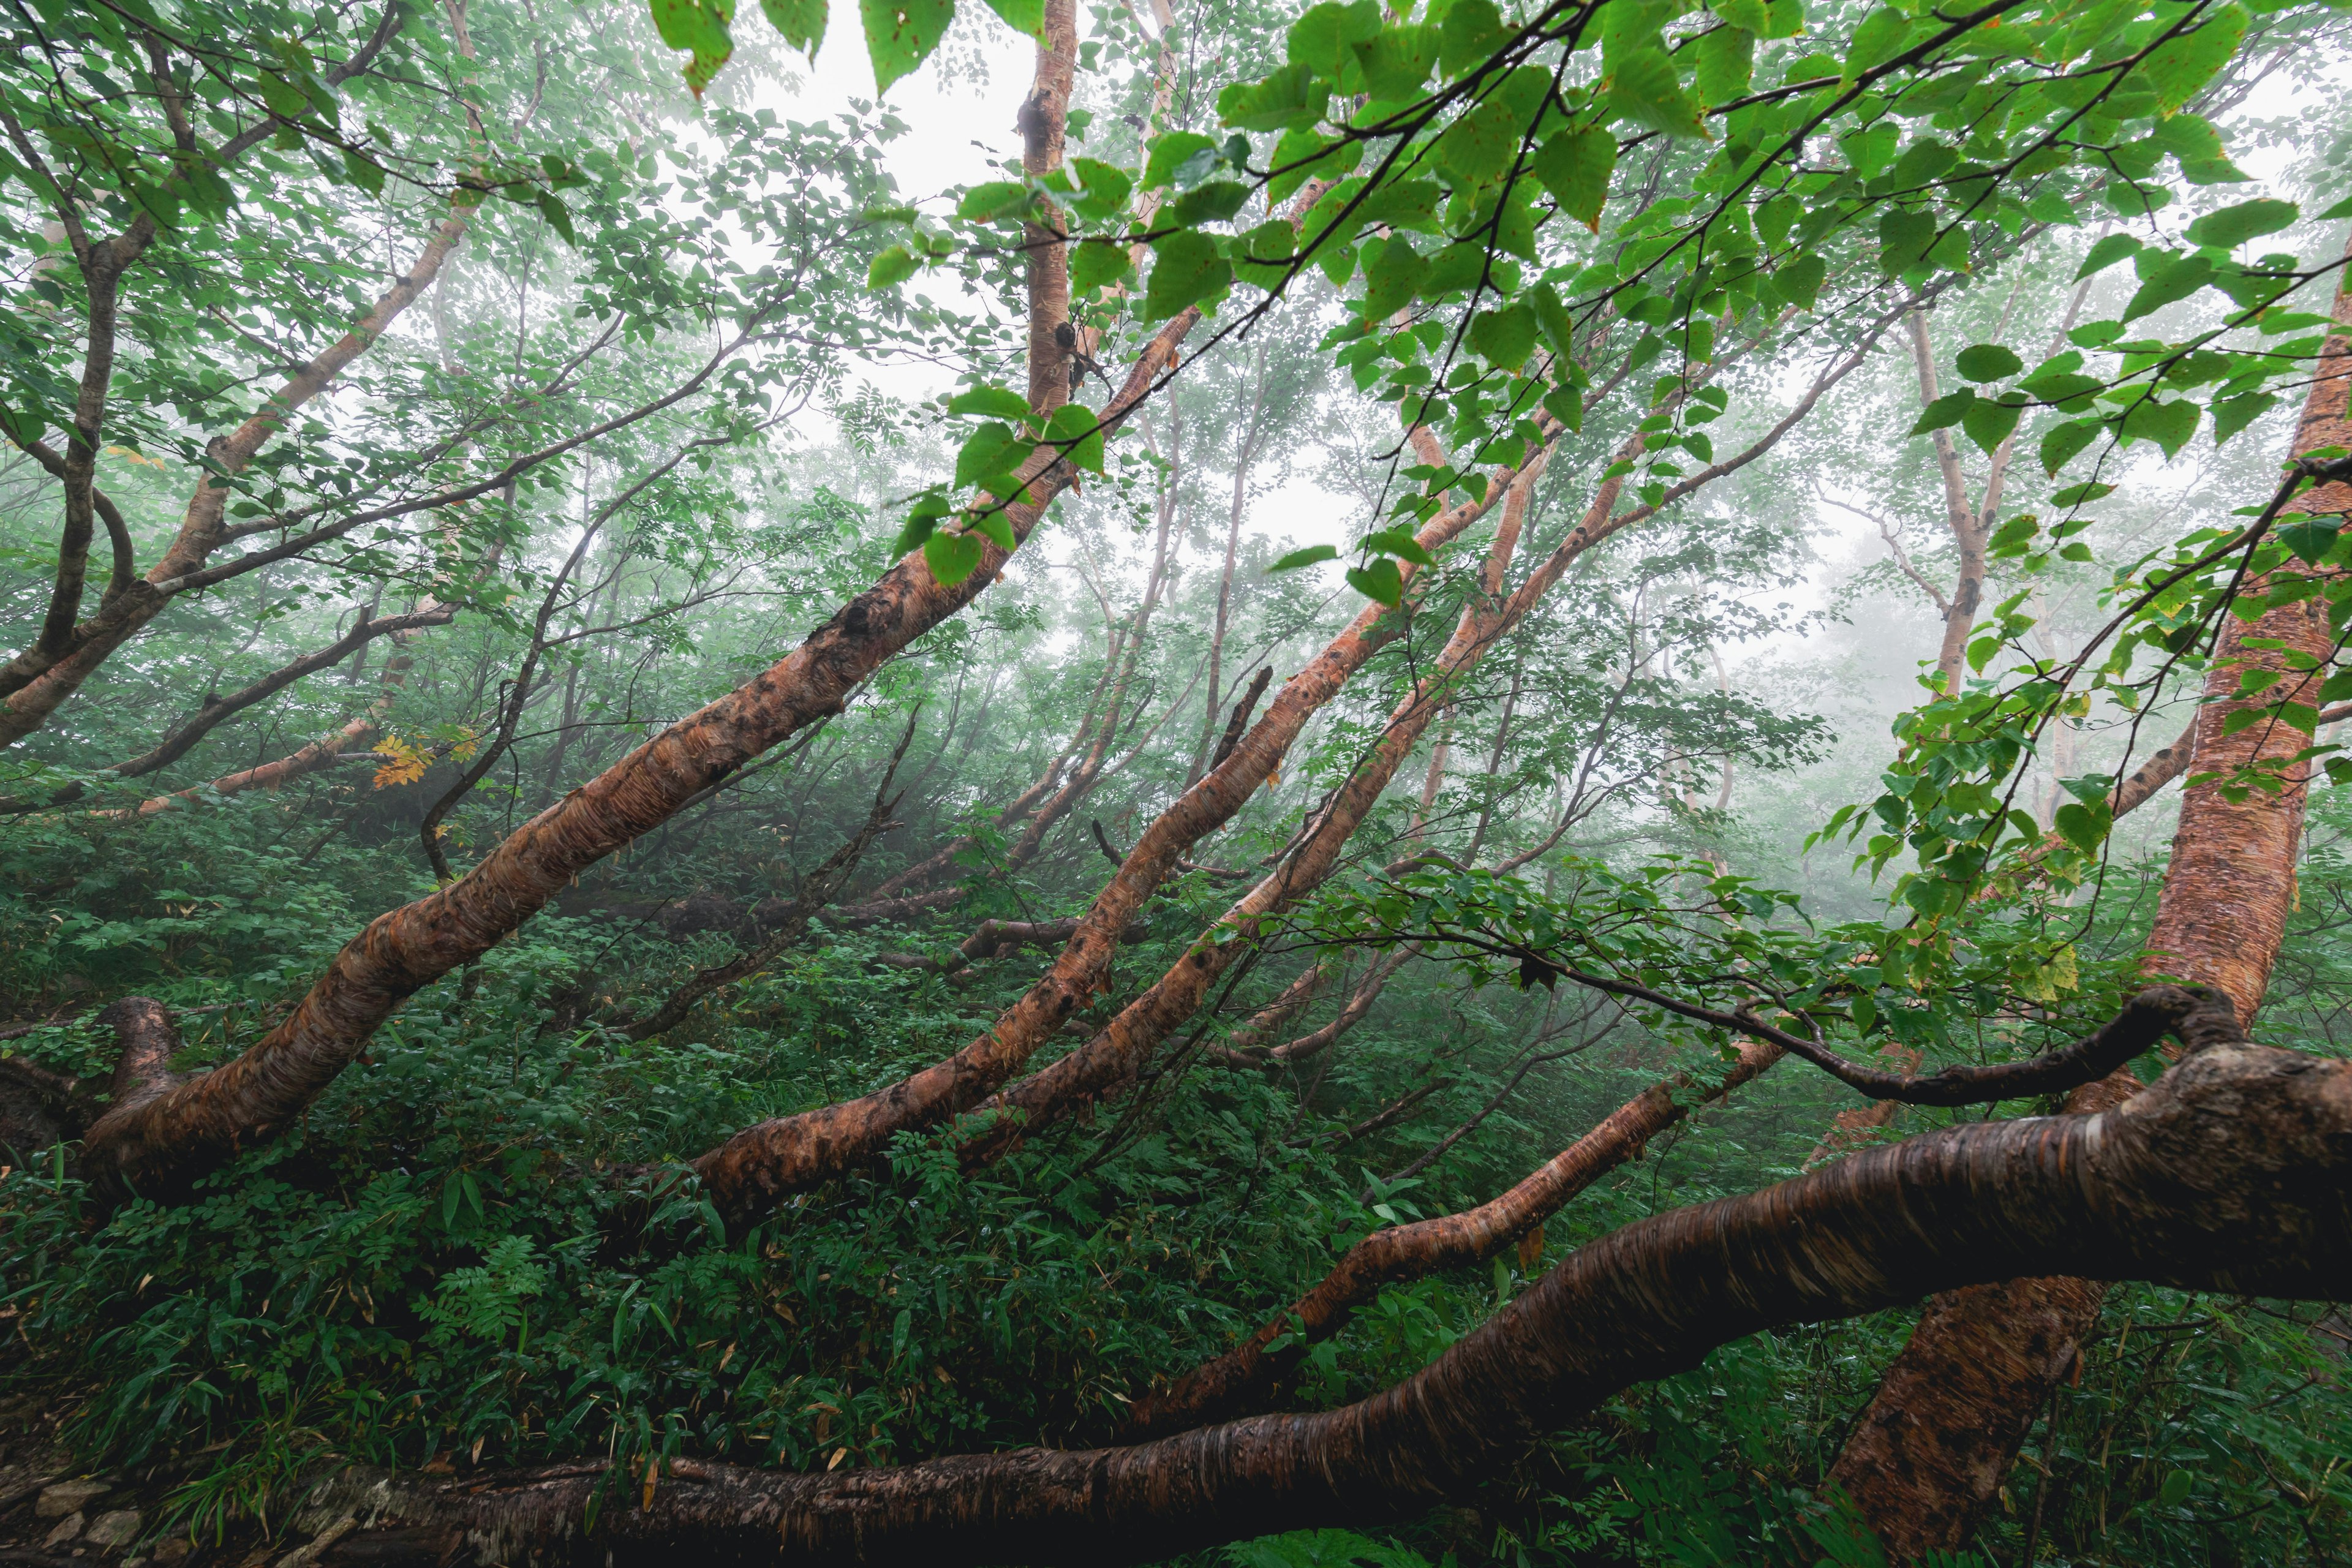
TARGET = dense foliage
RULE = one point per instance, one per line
(703, 364)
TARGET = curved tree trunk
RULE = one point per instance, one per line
(1941, 1433)
(2235, 1175)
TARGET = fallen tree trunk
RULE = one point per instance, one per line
(2233, 1174)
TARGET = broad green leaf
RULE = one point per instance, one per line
(1726, 60)
(952, 557)
(1799, 282)
(998, 527)
(1380, 581)
(993, 449)
(2168, 281)
(895, 264)
(1988, 361)
(1173, 153)
(1321, 38)
(994, 201)
(1469, 32)
(2196, 147)
(1945, 411)
(2231, 415)
(1188, 267)
(1290, 99)
(1904, 239)
(1214, 202)
(1103, 189)
(2167, 424)
(901, 34)
(1022, 16)
(1882, 36)
(1505, 336)
(1477, 149)
(1096, 263)
(1989, 423)
(2110, 249)
(2084, 826)
(2233, 227)
(2311, 537)
(2062, 443)
(1077, 424)
(1309, 556)
(1643, 88)
(1262, 256)
(1749, 15)
(990, 402)
(802, 21)
(2179, 68)
(1400, 543)
(1398, 60)
(1393, 271)
(700, 25)
(1575, 167)
(1302, 155)
(2076, 495)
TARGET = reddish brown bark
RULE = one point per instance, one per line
(752, 1171)
(172, 1139)
(2234, 1174)
(1247, 1377)
(1939, 1436)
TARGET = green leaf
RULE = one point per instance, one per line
(1302, 155)
(1095, 263)
(1470, 31)
(1398, 60)
(1800, 281)
(1077, 424)
(1188, 267)
(895, 264)
(1103, 189)
(1726, 62)
(2110, 249)
(994, 201)
(1309, 556)
(558, 217)
(1989, 423)
(802, 21)
(2168, 425)
(1262, 256)
(2179, 68)
(1904, 237)
(996, 526)
(1988, 361)
(1400, 543)
(1211, 202)
(1173, 153)
(952, 557)
(1881, 37)
(1320, 40)
(2176, 1488)
(993, 449)
(1393, 271)
(2062, 443)
(901, 34)
(2231, 415)
(1945, 411)
(2076, 495)
(1022, 16)
(1644, 89)
(1291, 98)
(1379, 581)
(1504, 337)
(2311, 537)
(990, 402)
(2084, 826)
(2233, 227)
(1477, 149)
(1575, 166)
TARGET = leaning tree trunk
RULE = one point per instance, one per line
(2234, 1174)
(1940, 1436)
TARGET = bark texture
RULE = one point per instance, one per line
(1938, 1438)
(2234, 1174)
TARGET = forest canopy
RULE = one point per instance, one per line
(1373, 784)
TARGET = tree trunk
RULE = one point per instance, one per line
(2230, 1175)
(1941, 1433)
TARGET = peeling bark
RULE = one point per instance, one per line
(1930, 1452)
